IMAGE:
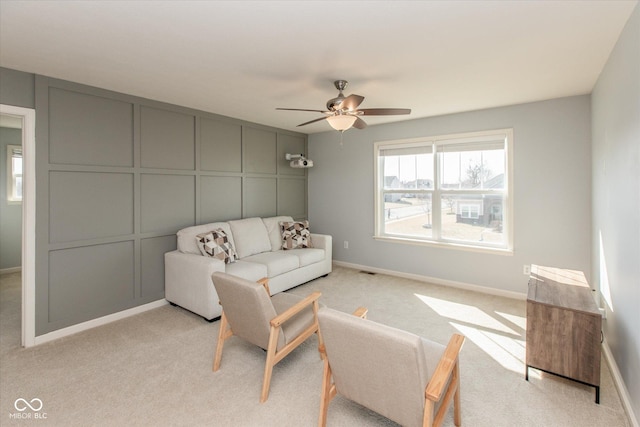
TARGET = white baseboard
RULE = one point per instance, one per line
(619, 383)
(10, 270)
(60, 333)
(436, 281)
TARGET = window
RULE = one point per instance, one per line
(14, 173)
(470, 211)
(447, 190)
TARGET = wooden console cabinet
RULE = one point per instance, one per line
(563, 326)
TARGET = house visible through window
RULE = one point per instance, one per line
(451, 189)
(14, 173)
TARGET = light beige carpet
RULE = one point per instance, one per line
(155, 368)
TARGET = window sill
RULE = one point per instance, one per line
(446, 245)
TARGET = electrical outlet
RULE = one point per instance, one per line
(526, 269)
(346, 244)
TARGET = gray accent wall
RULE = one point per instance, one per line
(616, 203)
(551, 195)
(10, 213)
(17, 88)
(117, 176)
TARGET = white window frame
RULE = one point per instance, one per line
(436, 193)
(12, 175)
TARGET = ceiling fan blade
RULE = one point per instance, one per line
(384, 111)
(351, 102)
(312, 121)
(302, 109)
(359, 123)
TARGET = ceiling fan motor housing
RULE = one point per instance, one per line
(334, 103)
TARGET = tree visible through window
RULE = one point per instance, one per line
(452, 189)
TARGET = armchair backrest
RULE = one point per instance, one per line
(247, 306)
(380, 367)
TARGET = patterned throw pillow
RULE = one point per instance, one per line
(215, 244)
(295, 235)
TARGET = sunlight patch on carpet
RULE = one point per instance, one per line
(520, 321)
(508, 352)
(465, 313)
(488, 331)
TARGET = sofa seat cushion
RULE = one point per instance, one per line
(247, 270)
(308, 256)
(250, 237)
(277, 263)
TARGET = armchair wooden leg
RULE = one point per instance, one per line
(326, 394)
(321, 350)
(222, 336)
(427, 420)
(271, 360)
(457, 419)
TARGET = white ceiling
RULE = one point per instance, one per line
(245, 58)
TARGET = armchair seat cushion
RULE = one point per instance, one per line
(298, 323)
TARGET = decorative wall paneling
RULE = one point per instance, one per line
(119, 175)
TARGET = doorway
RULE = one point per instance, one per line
(23, 181)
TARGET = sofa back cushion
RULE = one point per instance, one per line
(215, 244)
(250, 237)
(273, 229)
(188, 242)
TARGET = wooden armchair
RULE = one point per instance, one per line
(277, 324)
(397, 374)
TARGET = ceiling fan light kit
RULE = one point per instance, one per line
(342, 111)
(341, 122)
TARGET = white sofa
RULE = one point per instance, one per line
(258, 243)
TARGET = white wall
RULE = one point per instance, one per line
(616, 202)
(552, 197)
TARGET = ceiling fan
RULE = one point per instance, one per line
(342, 112)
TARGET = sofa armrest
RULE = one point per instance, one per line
(188, 282)
(324, 241)
(321, 241)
